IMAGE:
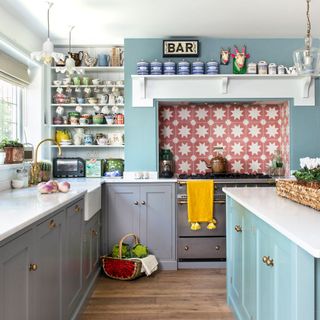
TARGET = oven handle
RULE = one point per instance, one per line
(181, 202)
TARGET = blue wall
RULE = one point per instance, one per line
(141, 151)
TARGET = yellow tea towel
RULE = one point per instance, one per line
(200, 203)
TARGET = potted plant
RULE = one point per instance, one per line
(13, 151)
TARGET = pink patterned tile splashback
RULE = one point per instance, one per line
(249, 134)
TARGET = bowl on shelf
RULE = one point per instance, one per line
(92, 100)
(66, 142)
(57, 120)
(98, 119)
(66, 81)
(57, 82)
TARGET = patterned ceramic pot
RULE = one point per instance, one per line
(169, 67)
(262, 67)
(197, 67)
(183, 67)
(142, 67)
(156, 67)
(212, 67)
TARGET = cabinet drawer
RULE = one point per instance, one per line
(202, 248)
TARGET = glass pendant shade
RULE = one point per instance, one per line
(47, 54)
(307, 59)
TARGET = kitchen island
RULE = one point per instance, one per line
(273, 252)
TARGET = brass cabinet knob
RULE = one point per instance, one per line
(143, 202)
(269, 262)
(52, 224)
(217, 248)
(33, 267)
(264, 259)
(136, 203)
(77, 209)
(94, 232)
(238, 228)
(186, 248)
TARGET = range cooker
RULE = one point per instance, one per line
(209, 245)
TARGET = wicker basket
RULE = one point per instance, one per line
(304, 193)
(122, 269)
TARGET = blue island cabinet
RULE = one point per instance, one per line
(268, 276)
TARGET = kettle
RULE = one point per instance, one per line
(166, 164)
(218, 163)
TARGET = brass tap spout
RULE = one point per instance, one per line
(35, 167)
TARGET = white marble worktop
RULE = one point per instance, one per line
(19, 208)
(298, 223)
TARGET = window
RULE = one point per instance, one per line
(11, 103)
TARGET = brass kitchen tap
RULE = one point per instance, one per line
(35, 167)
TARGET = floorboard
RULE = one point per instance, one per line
(183, 294)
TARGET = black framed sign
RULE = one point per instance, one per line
(181, 48)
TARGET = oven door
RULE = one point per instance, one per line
(219, 214)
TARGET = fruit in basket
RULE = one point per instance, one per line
(139, 251)
(125, 251)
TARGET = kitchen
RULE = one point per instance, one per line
(243, 118)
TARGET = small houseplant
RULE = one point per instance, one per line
(309, 174)
(13, 151)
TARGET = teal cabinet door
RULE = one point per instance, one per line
(234, 251)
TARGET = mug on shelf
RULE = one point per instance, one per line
(88, 139)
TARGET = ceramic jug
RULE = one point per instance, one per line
(77, 57)
(103, 60)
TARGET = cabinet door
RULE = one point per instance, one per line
(72, 260)
(234, 250)
(123, 212)
(16, 279)
(86, 251)
(49, 252)
(157, 220)
(95, 243)
(276, 281)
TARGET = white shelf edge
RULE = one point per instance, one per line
(87, 86)
(98, 69)
(88, 146)
(85, 104)
(87, 125)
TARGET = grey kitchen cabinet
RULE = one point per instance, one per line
(15, 278)
(49, 259)
(41, 270)
(148, 210)
(91, 248)
(72, 264)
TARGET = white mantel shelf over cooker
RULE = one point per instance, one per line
(145, 89)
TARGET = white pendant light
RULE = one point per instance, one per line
(70, 64)
(307, 59)
(47, 53)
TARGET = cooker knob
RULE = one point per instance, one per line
(136, 203)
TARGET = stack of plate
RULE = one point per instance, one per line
(143, 67)
(183, 67)
(156, 67)
(197, 67)
(212, 67)
(169, 67)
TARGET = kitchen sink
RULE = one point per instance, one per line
(92, 202)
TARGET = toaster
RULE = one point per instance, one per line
(68, 167)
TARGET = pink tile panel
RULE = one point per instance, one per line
(249, 134)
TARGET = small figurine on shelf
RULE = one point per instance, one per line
(239, 60)
(79, 108)
(224, 56)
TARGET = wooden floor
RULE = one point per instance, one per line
(182, 294)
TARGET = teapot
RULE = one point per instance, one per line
(76, 57)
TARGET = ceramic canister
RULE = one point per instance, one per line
(252, 68)
(183, 67)
(272, 68)
(155, 67)
(197, 67)
(262, 67)
(281, 69)
(143, 67)
(212, 67)
(169, 67)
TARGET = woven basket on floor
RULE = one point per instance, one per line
(119, 268)
(304, 193)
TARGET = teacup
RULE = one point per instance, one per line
(66, 81)
(57, 82)
(85, 81)
(76, 81)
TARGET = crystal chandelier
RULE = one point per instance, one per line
(70, 64)
(47, 53)
(307, 59)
